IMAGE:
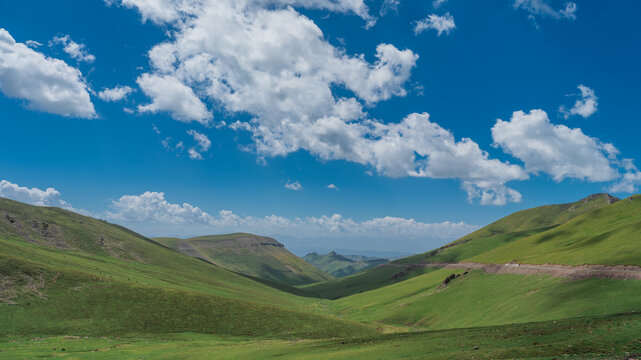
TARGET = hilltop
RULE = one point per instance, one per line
(259, 256)
(342, 265)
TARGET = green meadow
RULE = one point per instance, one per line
(98, 290)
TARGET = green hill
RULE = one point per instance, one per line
(63, 273)
(342, 265)
(608, 235)
(252, 255)
(510, 229)
(479, 299)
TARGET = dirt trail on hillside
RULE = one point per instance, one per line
(566, 271)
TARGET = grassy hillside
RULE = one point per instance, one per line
(60, 273)
(480, 299)
(341, 265)
(248, 254)
(510, 229)
(611, 337)
(363, 281)
(609, 235)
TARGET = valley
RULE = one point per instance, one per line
(98, 290)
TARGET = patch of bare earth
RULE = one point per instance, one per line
(14, 286)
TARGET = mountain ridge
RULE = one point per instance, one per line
(253, 255)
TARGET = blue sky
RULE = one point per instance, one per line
(293, 98)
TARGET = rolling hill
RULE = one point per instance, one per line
(63, 273)
(473, 247)
(249, 254)
(609, 235)
(342, 265)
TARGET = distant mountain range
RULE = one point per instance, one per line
(342, 265)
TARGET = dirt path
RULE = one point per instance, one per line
(567, 271)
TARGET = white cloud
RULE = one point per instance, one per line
(543, 8)
(332, 187)
(556, 150)
(275, 64)
(442, 24)
(169, 94)
(115, 94)
(438, 3)
(48, 85)
(389, 6)
(151, 212)
(152, 207)
(585, 106)
(32, 43)
(295, 186)
(631, 178)
(73, 49)
(171, 11)
(33, 196)
(202, 145)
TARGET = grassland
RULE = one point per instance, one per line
(611, 337)
(511, 228)
(58, 288)
(492, 243)
(609, 235)
(249, 254)
(100, 291)
(363, 281)
(480, 299)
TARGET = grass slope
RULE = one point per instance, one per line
(609, 235)
(507, 230)
(71, 280)
(341, 266)
(612, 337)
(363, 281)
(511, 228)
(480, 299)
(248, 254)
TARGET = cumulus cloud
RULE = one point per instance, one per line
(32, 196)
(442, 24)
(631, 178)
(332, 187)
(543, 8)
(73, 49)
(585, 106)
(556, 150)
(48, 85)
(171, 95)
(152, 207)
(171, 11)
(629, 183)
(295, 186)
(269, 61)
(152, 212)
(202, 145)
(115, 94)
